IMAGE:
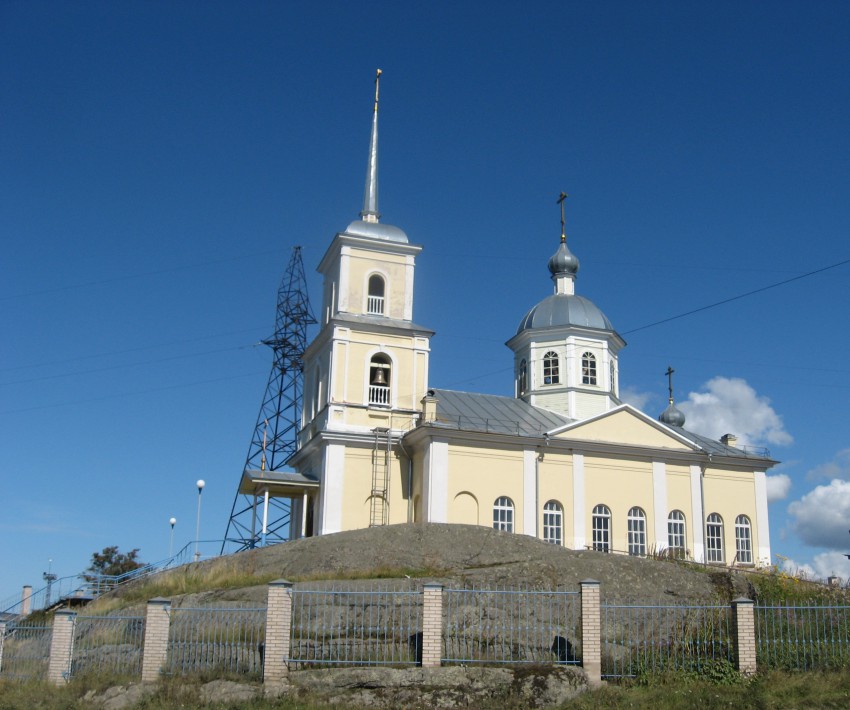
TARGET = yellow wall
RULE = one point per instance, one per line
(731, 493)
(489, 473)
(620, 484)
(623, 427)
(392, 267)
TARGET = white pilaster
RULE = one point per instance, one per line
(659, 502)
(697, 515)
(408, 289)
(762, 528)
(579, 503)
(437, 482)
(529, 492)
(344, 279)
(333, 470)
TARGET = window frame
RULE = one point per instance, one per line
(503, 514)
(677, 519)
(743, 542)
(375, 302)
(551, 368)
(636, 526)
(589, 374)
(553, 522)
(380, 395)
(714, 548)
(522, 378)
(600, 528)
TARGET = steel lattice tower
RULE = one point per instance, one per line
(275, 433)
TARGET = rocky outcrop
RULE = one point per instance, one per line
(449, 687)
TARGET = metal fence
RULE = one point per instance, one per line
(210, 639)
(26, 652)
(375, 626)
(803, 637)
(510, 626)
(108, 644)
(639, 639)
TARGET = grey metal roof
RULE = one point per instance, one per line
(711, 446)
(381, 321)
(494, 413)
(376, 230)
(561, 309)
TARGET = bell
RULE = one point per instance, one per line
(379, 378)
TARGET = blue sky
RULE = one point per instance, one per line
(159, 160)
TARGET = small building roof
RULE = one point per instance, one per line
(494, 413)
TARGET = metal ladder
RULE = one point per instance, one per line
(378, 508)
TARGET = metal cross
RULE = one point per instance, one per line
(561, 199)
(669, 374)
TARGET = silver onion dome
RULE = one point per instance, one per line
(563, 261)
(672, 416)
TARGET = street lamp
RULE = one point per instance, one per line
(171, 522)
(200, 484)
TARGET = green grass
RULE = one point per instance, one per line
(663, 692)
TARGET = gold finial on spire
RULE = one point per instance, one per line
(377, 87)
(561, 199)
(669, 374)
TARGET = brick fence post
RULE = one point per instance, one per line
(26, 600)
(743, 610)
(432, 625)
(59, 665)
(2, 636)
(155, 651)
(278, 632)
(591, 631)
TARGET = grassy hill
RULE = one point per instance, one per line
(454, 555)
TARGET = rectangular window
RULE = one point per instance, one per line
(743, 541)
(637, 535)
(552, 525)
(676, 534)
(714, 542)
(602, 533)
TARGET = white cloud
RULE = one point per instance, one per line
(824, 565)
(731, 406)
(839, 467)
(639, 400)
(822, 517)
(778, 487)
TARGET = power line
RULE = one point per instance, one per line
(738, 297)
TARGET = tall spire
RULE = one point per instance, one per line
(370, 194)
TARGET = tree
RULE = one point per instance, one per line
(111, 562)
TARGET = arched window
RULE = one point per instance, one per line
(380, 379)
(637, 532)
(676, 534)
(553, 522)
(523, 377)
(601, 528)
(714, 538)
(551, 369)
(588, 369)
(375, 300)
(743, 540)
(612, 379)
(503, 514)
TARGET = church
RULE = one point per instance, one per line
(563, 460)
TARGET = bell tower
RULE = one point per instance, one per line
(367, 369)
